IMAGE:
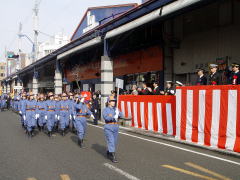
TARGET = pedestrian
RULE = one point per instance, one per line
(81, 113)
(111, 128)
(41, 112)
(22, 105)
(64, 114)
(234, 77)
(95, 109)
(134, 90)
(201, 79)
(146, 90)
(214, 77)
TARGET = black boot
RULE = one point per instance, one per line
(113, 157)
(63, 132)
(80, 143)
(108, 154)
(29, 133)
(49, 133)
(32, 133)
(40, 128)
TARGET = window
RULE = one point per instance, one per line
(2, 75)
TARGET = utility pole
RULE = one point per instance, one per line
(35, 29)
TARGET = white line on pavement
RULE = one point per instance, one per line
(129, 176)
(176, 147)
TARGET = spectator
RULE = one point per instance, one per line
(156, 90)
(169, 89)
(146, 90)
(201, 80)
(134, 90)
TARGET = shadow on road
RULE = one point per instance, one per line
(74, 139)
(100, 149)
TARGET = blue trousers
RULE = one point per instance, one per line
(64, 120)
(81, 126)
(111, 135)
(50, 120)
(30, 120)
(41, 119)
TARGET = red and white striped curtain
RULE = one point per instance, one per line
(209, 115)
(154, 113)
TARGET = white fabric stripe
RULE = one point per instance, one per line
(201, 116)
(135, 114)
(123, 108)
(178, 112)
(129, 109)
(169, 119)
(142, 114)
(215, 117)
(159, 117)
(189, 118)
(150, 117)
(232, 119)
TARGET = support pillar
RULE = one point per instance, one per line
(106, 79)
(8, 87)
(35, 83)
(4, 88)
(58, 84)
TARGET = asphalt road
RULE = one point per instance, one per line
(140, 157)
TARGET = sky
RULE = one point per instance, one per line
(54, 16)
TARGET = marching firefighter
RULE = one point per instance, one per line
(64, 113)
(41, 112)
(234, 77)
(71, 110)
(111, 128)
(30, 113)
(22, 105)
(51, 112)
(214, 77)
(57, 100)
(81, 112)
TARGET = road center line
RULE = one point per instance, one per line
(176, 147)
(119, 171)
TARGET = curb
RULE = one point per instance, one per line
(172, 139)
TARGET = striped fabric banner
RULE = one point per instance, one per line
(208, 115)
(153, 113)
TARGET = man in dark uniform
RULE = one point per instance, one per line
(95, 108)
(156, 90)
(201, 80)
(234, 77)
(214, 77)
(145, 90)
(169, 89)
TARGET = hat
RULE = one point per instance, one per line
(31, 94)
(64, 95)
(179, 83)
(235, 65)
(169, 82)
(111, 98)
(213, 65)
(199, 69)
(50, 94)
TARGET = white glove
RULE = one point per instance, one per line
(117, 112)
(92, 116)
(74, 117)
(56, 116)
(46, 117)
(70, 116)
(116, 116)
(20, 112)
(24, 117)
(36, 116)
(95, 111)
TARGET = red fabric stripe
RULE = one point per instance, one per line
(139, 115)
(195, 115)
(223, 119)
(155, 120)
(126, 109)
(208, 118)
(164, 118)
(146, 115)
(183, 114)
(237, 141)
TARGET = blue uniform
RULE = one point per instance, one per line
(41, 111)
(22, 110)
(51, 112)
(111, 128)
(64, 113)
(81, 111)
(71, 111)
(30, 111)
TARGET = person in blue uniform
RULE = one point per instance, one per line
(71, 110)
(41, 112)
(30, 113)
(57, 100)
(22, 104)
(111, 128)
(64, 113)
(201, 79)
(234, 76)
(81, 113)
(51, 112)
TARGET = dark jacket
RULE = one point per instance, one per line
(215, 79)
(201, 81)
(146, 92)
(234, 78)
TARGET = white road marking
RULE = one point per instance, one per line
(119, 171)
(176, 147)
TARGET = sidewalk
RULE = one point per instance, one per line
(170, 138)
